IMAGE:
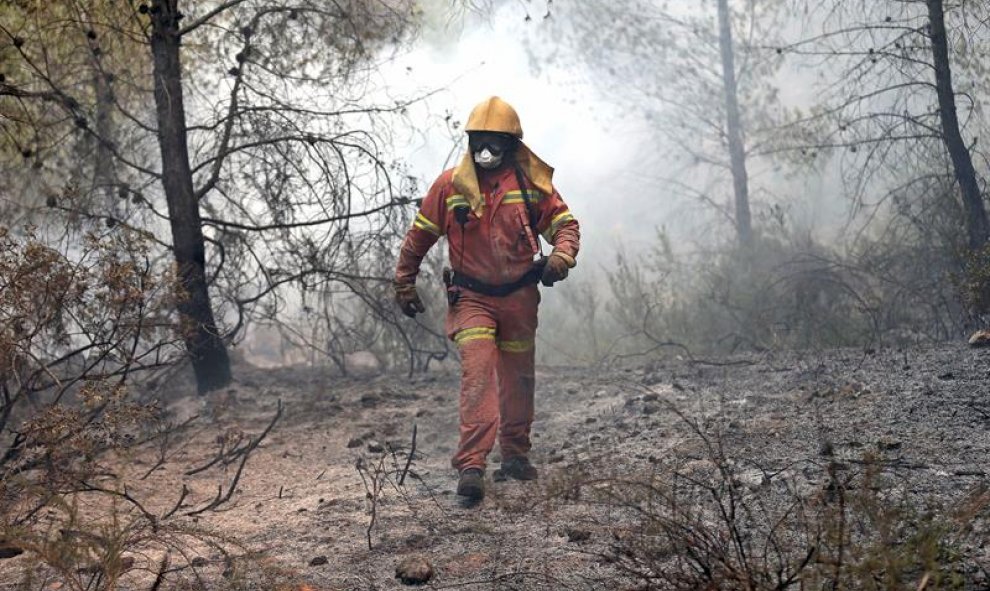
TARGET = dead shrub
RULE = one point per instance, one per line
(974, 281)
(717, 522)
(79, 328)
(791, 293)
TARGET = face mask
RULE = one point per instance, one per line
(486, 159)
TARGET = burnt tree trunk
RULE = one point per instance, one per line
(204, 344)
(977, 227)
(733, 127)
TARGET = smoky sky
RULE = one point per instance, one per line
(592, 145)
(609, 162)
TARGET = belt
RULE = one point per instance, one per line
(458, 279)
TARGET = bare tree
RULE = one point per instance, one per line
(890, 101)
(733, 126)
(900, 87)
(977, 226)
(700, 75)
(203, 340)
(262, 161)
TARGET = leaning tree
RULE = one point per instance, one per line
(901, 96)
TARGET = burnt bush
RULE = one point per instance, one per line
(705, 519)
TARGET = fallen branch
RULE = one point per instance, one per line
(224, 456)
(244, 454)
(178, 504)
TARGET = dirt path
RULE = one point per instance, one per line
(302, 502)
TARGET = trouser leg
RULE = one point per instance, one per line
(478, 404)
(516, 371)
(516, 389)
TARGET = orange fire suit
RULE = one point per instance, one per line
(495, 335)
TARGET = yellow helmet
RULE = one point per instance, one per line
(494, 114)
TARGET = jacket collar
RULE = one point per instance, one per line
(465, 178)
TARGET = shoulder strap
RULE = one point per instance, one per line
(530, 212)
(521, 181)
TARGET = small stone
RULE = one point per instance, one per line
(652, 379)
(370, 400)
(318, 561)
(650, 409)
(825, 448)
(576, 535)
(590, 420)
(354, 442)
(375, 447)
(851, 389)
(417, 541)
(199, 562)
(651, 397)
(887, 444)
(414, 570)
(980, 338)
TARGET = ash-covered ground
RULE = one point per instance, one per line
(303, 506)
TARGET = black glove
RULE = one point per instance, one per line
(555, 269)
(408, 299)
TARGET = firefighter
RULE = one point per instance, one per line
(493, 207)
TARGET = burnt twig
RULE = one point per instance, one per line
(222, 497)
(409, 458)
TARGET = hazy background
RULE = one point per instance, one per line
(609, 163)
(596, 148)
(858, 233)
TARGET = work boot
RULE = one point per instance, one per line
(471, 484)
(518, 468)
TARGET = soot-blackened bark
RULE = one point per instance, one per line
(205, 346)
(977, 227)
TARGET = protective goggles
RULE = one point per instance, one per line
(497, 143)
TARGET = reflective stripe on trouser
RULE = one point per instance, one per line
(496, 338)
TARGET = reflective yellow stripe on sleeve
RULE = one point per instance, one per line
(517, 346)
(423, 223)
(559, 220)
(474, 334)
